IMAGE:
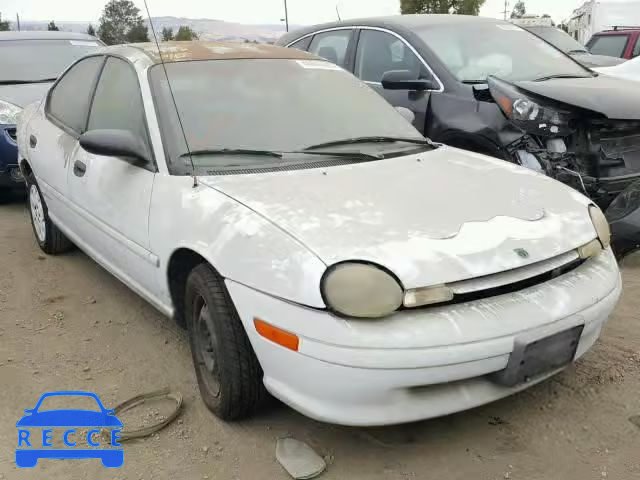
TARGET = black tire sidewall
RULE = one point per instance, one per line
(196, 287)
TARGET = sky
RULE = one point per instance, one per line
(301, 12)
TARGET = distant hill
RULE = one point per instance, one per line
(208, 29)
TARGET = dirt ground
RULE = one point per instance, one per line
(65, 323)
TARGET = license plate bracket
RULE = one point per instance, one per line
(534, 356)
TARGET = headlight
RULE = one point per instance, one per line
(625, 203)
(601, 225)
(531, 114)
(9, 113)
(361, 290)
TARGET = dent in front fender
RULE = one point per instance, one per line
(240, 244)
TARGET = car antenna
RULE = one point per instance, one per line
(173, 98)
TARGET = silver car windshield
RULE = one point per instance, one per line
(266, 105)
(501, 49)
(36, 60)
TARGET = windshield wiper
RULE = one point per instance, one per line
(350, 141)
(577, 51)
(21, 82)
(561, 75)
(233, 151)
(474, 82)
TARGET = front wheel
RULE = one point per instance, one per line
(50, 239)
(228, 372)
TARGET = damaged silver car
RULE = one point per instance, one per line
(492, 87)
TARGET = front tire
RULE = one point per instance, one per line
(228, 372)
(50, 239)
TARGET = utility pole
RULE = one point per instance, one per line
(18, 21)
(506, 8)
(286, 16)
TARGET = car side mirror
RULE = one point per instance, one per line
(405, 80)
(114, 143)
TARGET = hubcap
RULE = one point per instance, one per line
(207, 344)
(37, 213)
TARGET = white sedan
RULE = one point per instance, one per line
(309, 238)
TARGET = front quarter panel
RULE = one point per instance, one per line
(240, 244)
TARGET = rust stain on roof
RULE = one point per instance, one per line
(186, 51)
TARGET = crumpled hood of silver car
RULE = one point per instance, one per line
(439, 216)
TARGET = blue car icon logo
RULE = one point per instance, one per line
(33, 446)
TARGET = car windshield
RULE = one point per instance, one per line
(504, 50)
(37, 60)
(559, 39)
(266, 106)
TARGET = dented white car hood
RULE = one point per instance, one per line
(438, 216)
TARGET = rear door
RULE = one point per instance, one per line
(378, 52)
(335, 46)
(52, 134)
(112, 195)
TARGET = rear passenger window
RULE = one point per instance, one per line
(302, 44)
(69, 100)
(332, 46)
(636, 49)
(611, 45)
(117, 103)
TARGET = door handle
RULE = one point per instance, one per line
(33, 141)
(79, 168)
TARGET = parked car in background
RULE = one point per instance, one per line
(303, 243)
(563, 41)
(29, 63)
(491, 87)
(623, 42)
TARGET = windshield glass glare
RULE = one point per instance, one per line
(25, 60)
(558, 38)
(503, 50)
(277, 105)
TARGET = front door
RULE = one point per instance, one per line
(378, 52)
(112, 195)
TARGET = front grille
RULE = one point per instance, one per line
(510, 281)
(12, 133)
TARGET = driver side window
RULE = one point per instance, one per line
(117, 103)
(380, 52)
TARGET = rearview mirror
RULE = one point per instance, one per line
(405, 80)
(114, 143)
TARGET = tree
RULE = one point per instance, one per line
(121, 23)
(52, 27)
(167, 34)
(138, 33)
(519, 10)
(4, 25)
(91, 31)
(461, 7)
(185, 34)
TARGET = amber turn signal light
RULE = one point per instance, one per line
(276, 335)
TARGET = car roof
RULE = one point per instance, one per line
(147, 53)
(618, 31)
(38, 35)
(409, 22)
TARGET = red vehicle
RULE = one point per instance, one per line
(622, 42)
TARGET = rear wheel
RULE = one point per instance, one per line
(50, 239)
(228, 372)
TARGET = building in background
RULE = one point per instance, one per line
(595, 16)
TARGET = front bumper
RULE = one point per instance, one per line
(422, 363)
(10, 175)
